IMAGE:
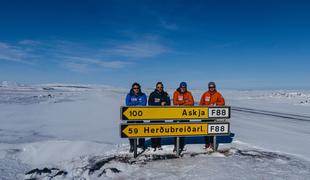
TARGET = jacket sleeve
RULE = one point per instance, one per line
(202, 99)
(128, 102)
(220, 100)
(168, 101)
(151, 100)
(175, 99)
(144, 100)
(190, 101)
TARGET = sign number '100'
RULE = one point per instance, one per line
(134, 113)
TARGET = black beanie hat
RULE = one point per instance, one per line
(211, 84)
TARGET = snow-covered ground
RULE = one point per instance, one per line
(72, 132)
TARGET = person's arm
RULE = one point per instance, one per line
(175, 99)
(190, 100)
(144, 100)
(151, 100)
(220, 100)
(202, 99)
(128, 101)
(168, 101)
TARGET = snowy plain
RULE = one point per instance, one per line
(73, 130)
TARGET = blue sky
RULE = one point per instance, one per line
(237, 44)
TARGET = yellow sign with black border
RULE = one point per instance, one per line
(132, 130)
(173, 112)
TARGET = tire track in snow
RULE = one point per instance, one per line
(272, 113)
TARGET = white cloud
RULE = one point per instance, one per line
(147, 47)
(80, 57)
(29, 42)
(114, 64)
(69, 54)
(14, 54)
(81, 64)
(226, 44)
(76, 67)
(3, 45)
(168, 25)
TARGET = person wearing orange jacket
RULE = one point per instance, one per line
(211, 98)
(182, 97)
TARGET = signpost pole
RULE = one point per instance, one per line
(135, 154)
(178, 146)
(214, 143)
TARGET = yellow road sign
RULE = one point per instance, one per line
(173, 112)
(173, 129)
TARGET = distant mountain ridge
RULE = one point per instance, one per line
(11, 84)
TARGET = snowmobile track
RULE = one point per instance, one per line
(272, 113)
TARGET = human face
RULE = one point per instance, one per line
(136, 89)
(212, 88)
(182, 89)
(159, 87)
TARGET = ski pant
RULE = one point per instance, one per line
(209, 139)
(156, 142)
(182, 143)
(141, 141)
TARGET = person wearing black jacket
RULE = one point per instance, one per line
(158, 98)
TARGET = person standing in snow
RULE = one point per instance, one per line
(182, 97)
(136, 98)
(158, 98)
(211, 98)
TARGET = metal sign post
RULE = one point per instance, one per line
(135, 154)
(214, 143)
(178, 146)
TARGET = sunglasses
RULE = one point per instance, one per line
(159, 87)
(211, 87)
(135, 88)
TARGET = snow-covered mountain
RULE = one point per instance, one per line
(55, 131)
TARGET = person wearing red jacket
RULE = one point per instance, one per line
(182, 97)
(211, 98)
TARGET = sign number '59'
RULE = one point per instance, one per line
(132, 131)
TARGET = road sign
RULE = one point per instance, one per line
(174, 112)
(137, 130)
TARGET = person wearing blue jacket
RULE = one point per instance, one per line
(136, 98)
